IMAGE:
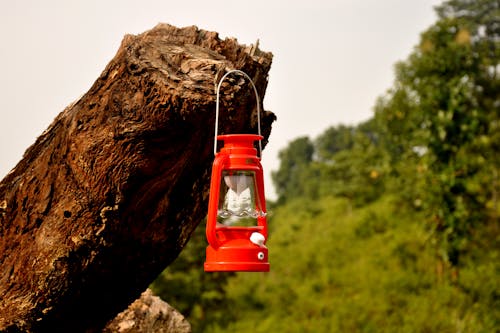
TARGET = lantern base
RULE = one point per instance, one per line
(237, 259)
(236, 267)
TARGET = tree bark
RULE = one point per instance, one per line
(149, 314)
(110, 193)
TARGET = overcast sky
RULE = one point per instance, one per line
(331, 58)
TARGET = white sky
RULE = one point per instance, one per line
(331, 58)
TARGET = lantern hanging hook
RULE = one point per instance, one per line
(217, 104)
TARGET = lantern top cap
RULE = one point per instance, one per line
(243, 141)
(240, 137)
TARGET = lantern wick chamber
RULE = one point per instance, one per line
(236, 227)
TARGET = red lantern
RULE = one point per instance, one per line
(236, 221)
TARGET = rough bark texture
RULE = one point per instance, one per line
(109, 194)
(149, 314)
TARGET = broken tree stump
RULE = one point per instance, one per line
(109, 194)
(148, 314)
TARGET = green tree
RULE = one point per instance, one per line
(441, 118)
(355, 165)
(333, 140)
(291, 177)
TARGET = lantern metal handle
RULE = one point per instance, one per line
(236, 71)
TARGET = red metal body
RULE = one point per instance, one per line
(229, 247)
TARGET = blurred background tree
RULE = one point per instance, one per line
(291, 178)
(443, 115)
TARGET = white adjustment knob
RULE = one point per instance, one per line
(258, 239)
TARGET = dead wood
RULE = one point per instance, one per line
(110, 193)
(149, 314)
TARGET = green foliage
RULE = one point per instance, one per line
(440, 118)
(343, 161)
(334, 140)
(369, 270)
(356, 173)
(291, 175)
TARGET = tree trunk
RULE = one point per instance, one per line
(109, 194)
